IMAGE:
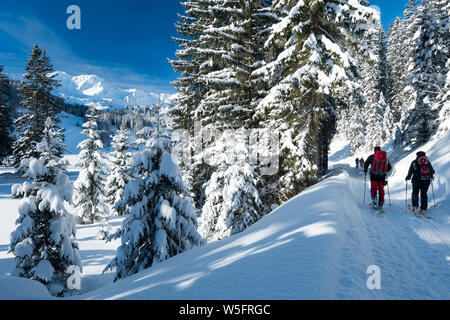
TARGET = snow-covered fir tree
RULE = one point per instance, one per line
(232, 201)
(441, 8)
(396, 58)
(118, 176)
(312, 72)
(193, 61)
(418, 119)
(38, 104)
(379, 124)
(89, 195)
(443, 105)
(220, 48)
(44, 240)
(161, 221)
(5, 117)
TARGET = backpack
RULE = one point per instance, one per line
(424, 169)
(379, 163)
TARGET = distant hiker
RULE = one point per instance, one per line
(422, 173)
(379, 167)
(357, 162)
(361, 162)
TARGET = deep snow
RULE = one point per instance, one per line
(316, 246)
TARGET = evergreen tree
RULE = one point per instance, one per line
(418, 121)
(119, 176)
(220, 51)
(441, 9)
(193, 61)
(161, 221)
(443, 105)
(5, 117)
(397, 53)
(44, 241)
(379, 121)
(313, 71)
(38, 103)
(89, 187)
(232, 200)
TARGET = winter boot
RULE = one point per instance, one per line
(374, 202)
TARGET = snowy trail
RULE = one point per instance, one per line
(411, 267)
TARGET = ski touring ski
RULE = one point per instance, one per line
(424, 214)
(418, 213)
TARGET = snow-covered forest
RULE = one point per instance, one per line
(275, 98)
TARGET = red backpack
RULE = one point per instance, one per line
(424, 171)
(380, 163)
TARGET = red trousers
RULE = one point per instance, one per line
(377, 186)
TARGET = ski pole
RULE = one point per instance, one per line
(389, 194)
(406, 197)
(432, 189)
(365, 183)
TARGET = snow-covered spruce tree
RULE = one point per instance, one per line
(441, 9)
(234, 89)
(221, 47)
(89, 195)
(444, 105)
(313, 72)
(5, 117)
(419, 119)
(232, 201)
(379, 125)
(38, 104)
(396, 59)
(193, 61)
(161, 221)
(118, 176)
(44, 240)
(401, 57)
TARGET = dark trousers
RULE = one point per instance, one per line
(420, 186)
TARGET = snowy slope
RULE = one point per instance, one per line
(92, 90)
(72, 132)
(316, 246)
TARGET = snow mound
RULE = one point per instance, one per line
(12, 288)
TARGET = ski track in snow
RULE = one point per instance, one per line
(411, 267)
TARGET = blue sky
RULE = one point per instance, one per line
(127, 42)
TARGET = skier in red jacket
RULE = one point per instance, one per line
(379, 167)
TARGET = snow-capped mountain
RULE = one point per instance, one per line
(92, 90)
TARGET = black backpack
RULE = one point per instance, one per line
(423, 168)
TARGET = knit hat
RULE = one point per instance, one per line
(421, 154)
